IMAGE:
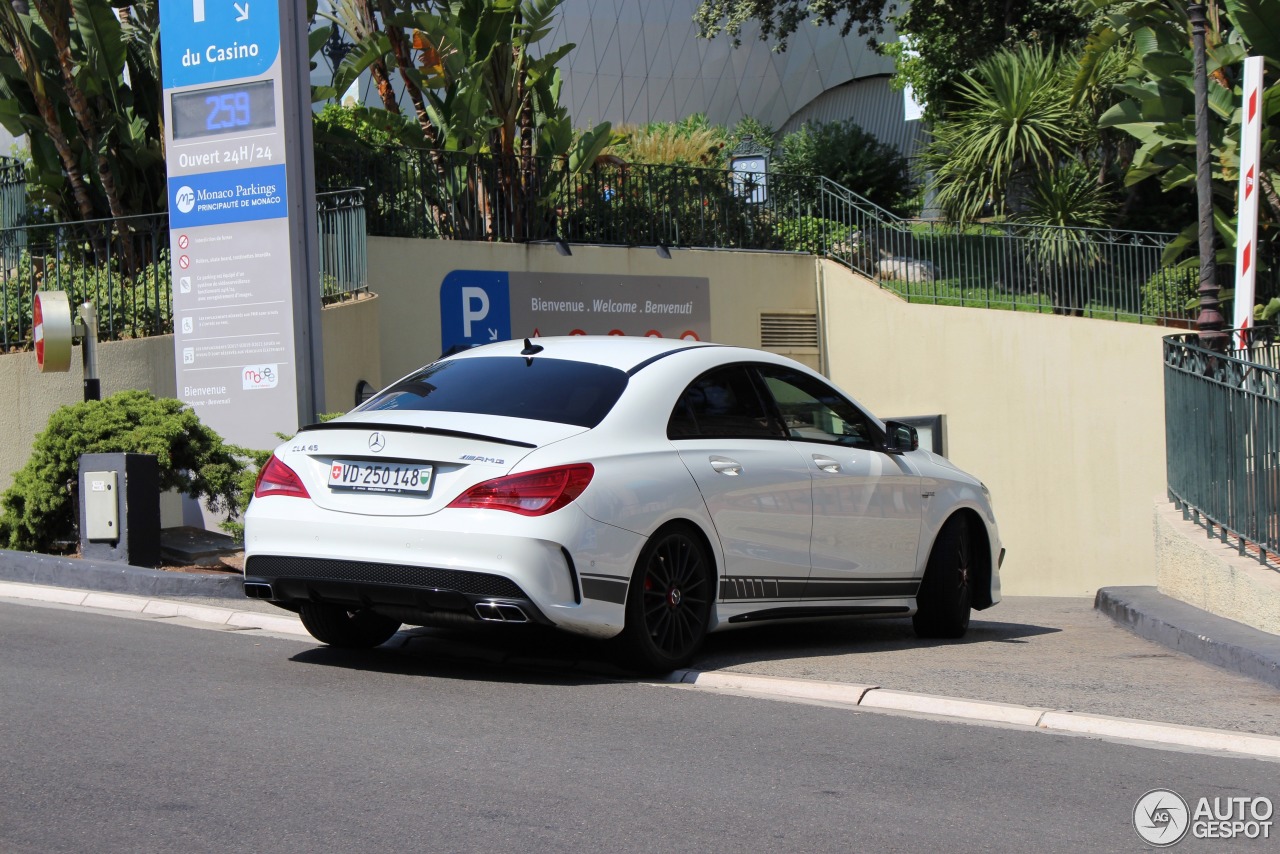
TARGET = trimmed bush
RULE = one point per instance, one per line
(1170, 292)
(37, 510)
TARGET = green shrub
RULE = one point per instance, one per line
(1170, 291)
(814, 234)
(852, 157)
(37, 510)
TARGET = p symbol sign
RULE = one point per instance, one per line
(475, 308)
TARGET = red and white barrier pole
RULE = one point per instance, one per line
(1247, 200)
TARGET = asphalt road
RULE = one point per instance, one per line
(126, 735)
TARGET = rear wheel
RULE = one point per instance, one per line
(669, 602)
(946, 592)
(337, 626)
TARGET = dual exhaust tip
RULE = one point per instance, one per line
(257, 590)
(500, 612)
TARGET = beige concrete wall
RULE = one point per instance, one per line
(348, 328)
(31, 397)
(350, 333)
(1212, 575)
(406, 274)
(1062, 417)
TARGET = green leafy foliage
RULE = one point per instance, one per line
(1157, 106)
(479, 84)
(1011, 120)
(693, 141)
(1069, 199)
(820, 237)
(1170, 290)
(130, 304)
(38, 512)
(83, 85)
(852, 157)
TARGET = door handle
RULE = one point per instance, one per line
(726, 466)
(826, 463)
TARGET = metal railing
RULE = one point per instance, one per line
(1090, 272)
(1107, 273)
(1222, 435)
(13, 191)
(123, 266)
(343, 247)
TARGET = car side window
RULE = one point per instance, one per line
(814, 412)
(722, 404)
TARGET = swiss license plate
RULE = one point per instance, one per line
(365, 476)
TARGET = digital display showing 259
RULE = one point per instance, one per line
(224, 109)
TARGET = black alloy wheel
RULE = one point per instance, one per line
(669, 602)
(338, 627)
(946, 592)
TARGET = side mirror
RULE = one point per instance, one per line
(900, 438)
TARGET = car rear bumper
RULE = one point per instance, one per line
(452, 565)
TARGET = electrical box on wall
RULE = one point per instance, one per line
(120, 508)
(101, 509)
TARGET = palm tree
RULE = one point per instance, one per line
(1012, 119)
(84, 86)
(479, 87)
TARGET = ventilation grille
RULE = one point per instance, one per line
(791, 330)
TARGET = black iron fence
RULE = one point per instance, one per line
(1222, 435)
(1094, 272)
(343, 247)
(123, 266)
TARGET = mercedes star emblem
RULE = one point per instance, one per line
(377, 442)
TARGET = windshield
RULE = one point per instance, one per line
(579, 393)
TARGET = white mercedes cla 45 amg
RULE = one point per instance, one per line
(645, 489)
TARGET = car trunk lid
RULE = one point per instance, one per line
(461, 450)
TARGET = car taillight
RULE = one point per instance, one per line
(276, 478)
(533, 493)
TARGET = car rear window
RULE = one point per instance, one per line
(579, 393)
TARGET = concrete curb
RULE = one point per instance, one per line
(283, 623)
(56, 571)
(1045, 720)
(1216, 640)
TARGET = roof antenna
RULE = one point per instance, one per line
(530, 350)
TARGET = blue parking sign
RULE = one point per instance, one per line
(207, 41)
(475, 308)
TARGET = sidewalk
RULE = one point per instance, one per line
(1038, 653)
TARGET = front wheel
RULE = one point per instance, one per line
(669, 602)
(946, 592)
(338, 627)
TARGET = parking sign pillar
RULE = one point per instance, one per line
(242, 216)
